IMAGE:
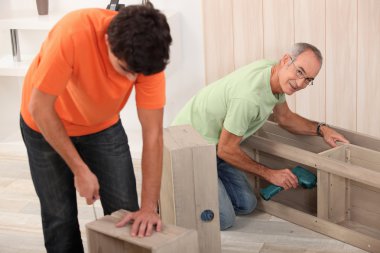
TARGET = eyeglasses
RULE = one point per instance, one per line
(301, 74)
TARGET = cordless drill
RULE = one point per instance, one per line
(305, 178)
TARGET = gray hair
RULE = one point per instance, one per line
(299, 48)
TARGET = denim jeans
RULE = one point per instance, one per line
(235, 194)
(107, 155)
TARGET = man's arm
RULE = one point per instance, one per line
(296, 124)
(41, 107)
(147, 217)
(229, 150)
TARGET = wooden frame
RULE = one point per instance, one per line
(346, 203)
(189, 186)
(103, 236)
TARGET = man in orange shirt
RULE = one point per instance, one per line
(72, 95)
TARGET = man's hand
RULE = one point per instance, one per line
(284, 178)
(143, 222)
(87, 185)
(331, 136)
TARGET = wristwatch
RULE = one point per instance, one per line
(319, 133)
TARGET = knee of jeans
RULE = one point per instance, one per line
(227, 219)
(248, 204)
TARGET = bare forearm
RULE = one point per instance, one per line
(151, 173)
(237, 158)
(52, 129)
(230, 151)
(41, 107)
(296, 124)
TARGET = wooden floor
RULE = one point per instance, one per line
(20, 224)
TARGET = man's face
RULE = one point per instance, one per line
(120, 66)
(296, 74)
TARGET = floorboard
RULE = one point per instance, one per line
(20, 222)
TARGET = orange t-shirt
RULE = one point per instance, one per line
(73, 65)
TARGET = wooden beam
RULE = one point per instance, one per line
(363, 241)
(189, 185)
(357, 173)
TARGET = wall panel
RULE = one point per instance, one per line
(309, 26)
(278, 21)
(248, 31)
(368, 102)
(341, 62)
(218, 30)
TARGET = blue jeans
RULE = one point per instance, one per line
(107, 155)
(235, 194)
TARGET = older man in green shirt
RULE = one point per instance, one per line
(236, 106)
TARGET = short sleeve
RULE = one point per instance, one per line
(54, 62)
(240, 113)
(150, 91)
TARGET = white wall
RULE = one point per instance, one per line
(185, 73)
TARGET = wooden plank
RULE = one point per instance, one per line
(97, 242)
(336, 153)
(367, 187)
(363, 175)
(206, 197)
(310, 27)
(183, 137)
(304, 200)
(359, 139)
(218, 36)
(337, 199)
(103, 236)
(375, 233)
(357, 160)
(183, 189)
(323, 195)
(368, 89)
(248, 31)
(275, 162)
(367, 219)
(365, 205)
(302, 143)
(278, 32)
(338, 232)
(190, 180)
(167, 211)
(316, 144)
(177, 191)
(364, 157)
(341, 63)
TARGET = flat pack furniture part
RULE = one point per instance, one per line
(346, 203)
(189, 189)
(103, 236)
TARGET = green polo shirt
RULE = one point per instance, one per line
(240, 102)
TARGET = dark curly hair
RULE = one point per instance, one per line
(139, 35)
